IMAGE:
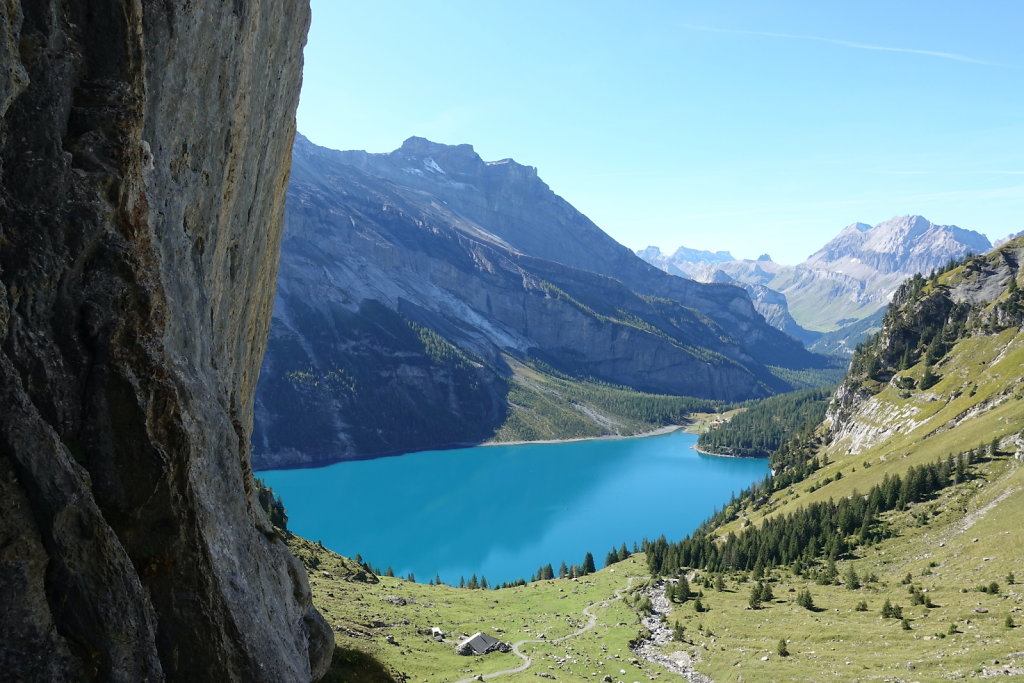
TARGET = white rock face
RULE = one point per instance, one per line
(848, 279)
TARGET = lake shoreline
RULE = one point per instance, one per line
(729, 455)
(316, 464)
(667, 429)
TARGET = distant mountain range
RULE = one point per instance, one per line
(417, 287)
(848, 280)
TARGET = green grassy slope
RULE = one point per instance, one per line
(389, 621)
(932, 561)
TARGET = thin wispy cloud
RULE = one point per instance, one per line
(847, 43)
(944, 172)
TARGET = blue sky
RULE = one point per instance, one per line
(732, 125)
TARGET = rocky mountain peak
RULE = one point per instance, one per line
(420, 147)
(426, 158)
(649, 252)
(903, 244)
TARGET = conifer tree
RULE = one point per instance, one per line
(682, 591)
(929, 378)
(755, 597)
(851, 579)
(588, 564)
(783, 650)
(563, 571)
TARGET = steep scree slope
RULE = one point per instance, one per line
(144, 151)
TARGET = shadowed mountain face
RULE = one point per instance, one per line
(408, 278)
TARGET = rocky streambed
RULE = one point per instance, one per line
(658, 647)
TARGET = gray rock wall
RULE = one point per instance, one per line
(144, 151)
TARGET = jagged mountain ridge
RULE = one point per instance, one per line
(666, 262)
(853, 275)
(413, 274)
(903, 245)
(512, 206)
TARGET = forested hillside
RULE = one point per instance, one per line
(762, 428)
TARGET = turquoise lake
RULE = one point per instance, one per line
(504, 511)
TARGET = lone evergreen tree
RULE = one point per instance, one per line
(783, 650)
(682, 589)
(851, 579)
(754, 601)
(563, 571)
(588, 564)
(929, 378)
(678, 632)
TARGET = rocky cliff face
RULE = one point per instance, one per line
(144, 155)
(977, 304)
(407, 278)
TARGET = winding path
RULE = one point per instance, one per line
(528, 661)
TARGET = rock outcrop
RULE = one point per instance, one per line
(144, 151)
(979, 299)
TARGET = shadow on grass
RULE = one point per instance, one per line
(355, 666)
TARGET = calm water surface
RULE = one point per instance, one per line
(504, 511)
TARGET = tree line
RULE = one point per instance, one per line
(817, 531)
(761, 429)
